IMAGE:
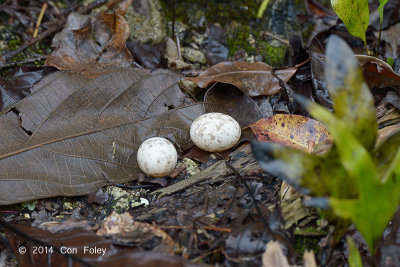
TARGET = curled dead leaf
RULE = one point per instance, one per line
(253, 79)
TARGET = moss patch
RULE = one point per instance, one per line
(238, 18)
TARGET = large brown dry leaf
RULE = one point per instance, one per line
(291, 130)
(253, 79)
(74, 253)
(91, 44)
(72, 132)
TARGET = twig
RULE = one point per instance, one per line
(25, 61)
(58, 25)
(199, 258)
(205, 227)
(39, 20)
(285, 42)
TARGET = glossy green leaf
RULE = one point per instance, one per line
(354, 14)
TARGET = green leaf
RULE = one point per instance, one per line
(382, 4)
(353, 102)
(31, 205)
(362, 183)
(262, 8)
(308, 173)
(354, 255)
(390, 61)
(354, 14)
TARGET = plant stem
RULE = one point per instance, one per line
(173, 20)
(379, 38)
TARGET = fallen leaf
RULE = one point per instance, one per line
(273, 255)
(226, 97)
(17, 84)
(386, 132)
(78, 247)
(393, 99)
(253, 79)
(150, 56)
(91, 44)
(315, 8)
(73, 132)
(124, 230)
(291, 130)
(378, 74)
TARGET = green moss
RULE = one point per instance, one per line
(308, 230)
(10, 40)
(214, 11)
(249, 39)
(306, 243)
(244, 31)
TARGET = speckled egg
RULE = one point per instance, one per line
(157, 157)
(215, 132)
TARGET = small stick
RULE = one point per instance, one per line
(285, 42)
(25, 61)
(39, 20)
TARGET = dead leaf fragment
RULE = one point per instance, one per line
(91, 44)
(253, 79)
(273, 256)
(378, 73)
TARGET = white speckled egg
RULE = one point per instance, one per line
(215, 132)
(157, 157)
